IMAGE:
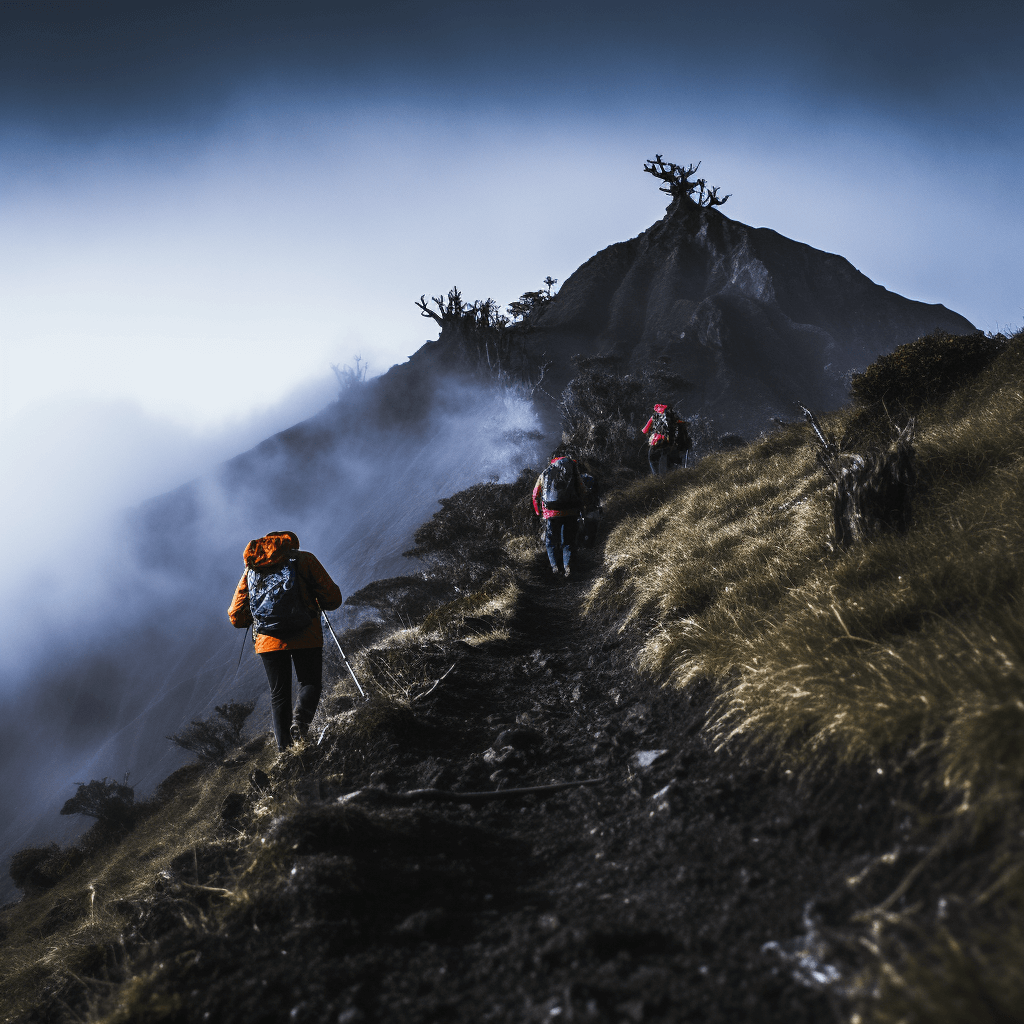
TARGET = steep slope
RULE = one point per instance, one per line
(152, 648)
(819, 816)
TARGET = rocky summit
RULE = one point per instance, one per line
(753, 320)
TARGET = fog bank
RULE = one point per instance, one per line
(131, 641)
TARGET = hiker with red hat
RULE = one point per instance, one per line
(667, 440)
(281, 594)
(559, 496)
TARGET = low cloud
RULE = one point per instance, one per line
(123, 636)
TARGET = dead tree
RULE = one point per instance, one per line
(873, 491)
(450, 311)
(678, 183)
(711, 197)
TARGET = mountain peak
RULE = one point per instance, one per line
(752, 318)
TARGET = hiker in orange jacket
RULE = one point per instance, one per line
(559, 496)
(668, 438)
(280, 594)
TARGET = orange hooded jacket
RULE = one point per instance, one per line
(266, 552)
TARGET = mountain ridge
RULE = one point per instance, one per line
(784, 819)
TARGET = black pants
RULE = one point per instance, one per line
(559, 537)
(664, 458)
(309, 666)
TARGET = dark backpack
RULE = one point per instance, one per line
(560, 492)
(275, 599)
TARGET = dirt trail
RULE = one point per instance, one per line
(647, 898)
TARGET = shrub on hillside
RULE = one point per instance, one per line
(403, 598)
(924, 370)
(873, 491)
(103, 799)
(463, 542)
(603, 411)
(42, 867)
(212, 738)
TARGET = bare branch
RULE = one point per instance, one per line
(374, 795)
(425, 310)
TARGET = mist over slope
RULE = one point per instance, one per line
(148, 646)
(747, 320)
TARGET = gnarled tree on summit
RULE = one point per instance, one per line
(680, 183)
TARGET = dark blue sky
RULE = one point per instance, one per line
(88, 66)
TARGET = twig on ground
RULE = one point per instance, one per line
(437, 683)
(376, 795)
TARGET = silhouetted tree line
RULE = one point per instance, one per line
(493, 343)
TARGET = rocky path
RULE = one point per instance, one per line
(645, 898)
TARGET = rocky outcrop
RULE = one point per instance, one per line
(753, 319)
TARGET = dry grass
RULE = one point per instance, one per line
(861, 656)
(907, 651)
(953, 981)
(68, 942)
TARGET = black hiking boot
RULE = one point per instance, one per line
(297, 732)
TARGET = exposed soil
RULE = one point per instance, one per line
(646, 897)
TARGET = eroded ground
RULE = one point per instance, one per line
(653, 894)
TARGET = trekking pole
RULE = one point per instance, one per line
(240, 653)
(362, 692)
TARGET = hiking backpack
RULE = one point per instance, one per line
(275, 599)
(668, 424)
(560, 491)
(661, 423)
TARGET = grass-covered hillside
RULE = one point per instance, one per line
(900, 657)
(789, 769)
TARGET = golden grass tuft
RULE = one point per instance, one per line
(861, 656)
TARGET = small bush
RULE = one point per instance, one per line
(404, 599)
(42, 867)
(212, 738)
(925, 370)
(462, 542)
(103, 799)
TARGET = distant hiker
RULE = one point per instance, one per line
(559, 496)
(668, 438)
(280, 594)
